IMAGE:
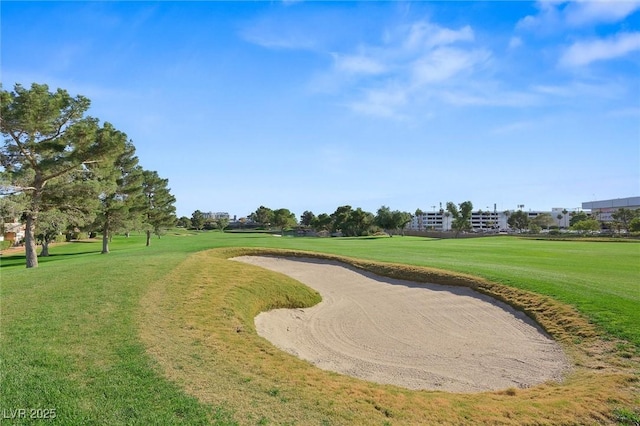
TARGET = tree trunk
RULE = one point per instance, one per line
(105, 242)
(30, 241)
(105, 237)
(148, 238)
(45, 247)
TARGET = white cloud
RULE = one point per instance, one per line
(515, 42)
(561, 91)
(274, 40)
(382, 102)
(554, 15)
(407, 65)
(426, 35)
(585, 52)
(358, 64)
(490, 96)
(276, 32)
(547, 19)
(601, 11)
(444, 63)
(604, 89)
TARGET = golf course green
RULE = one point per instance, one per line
(164, 334)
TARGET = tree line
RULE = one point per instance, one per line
(64, 170)
(355, 222)
(627, 220)
(345, 220)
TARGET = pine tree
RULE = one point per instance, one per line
(121, 198)
(158, 212)
(47, 137)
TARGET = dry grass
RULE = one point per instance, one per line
(197, 322)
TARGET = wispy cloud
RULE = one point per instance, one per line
(548, 18)
(386, 102)
(594, 12)
(633, 112)
(601, 89)
(442, 64)
(553, 15)
(358, 64)
(585, 52)
(489, 94)
(406, 65)
(515, 127)
(425, 35)
(270, 32)
(515, 42)
(273, 40)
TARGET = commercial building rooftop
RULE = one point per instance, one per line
(617, 203)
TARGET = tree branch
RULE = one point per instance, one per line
(11, 190)
(68, 169)
(24, 151)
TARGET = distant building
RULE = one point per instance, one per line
(602, 210)
(13, 231)
(482, 221)
(216, 215)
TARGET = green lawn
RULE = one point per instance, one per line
(68, 337)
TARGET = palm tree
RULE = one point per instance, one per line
(507, 213)
(419, 214)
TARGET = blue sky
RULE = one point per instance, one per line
(314, 105)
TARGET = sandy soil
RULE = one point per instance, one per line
(418, 336)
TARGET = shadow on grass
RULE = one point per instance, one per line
(386, 237)
(20, 260)
(374, 237)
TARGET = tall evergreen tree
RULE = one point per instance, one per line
(121, 197)
(158, 213)
(47, 136)
(70, 202)
(197, 220)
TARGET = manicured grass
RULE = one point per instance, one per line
(71, 331)
(69, 340)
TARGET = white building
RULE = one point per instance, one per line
(216, 215)
(482, 221)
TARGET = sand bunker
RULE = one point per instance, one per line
(418, 336)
